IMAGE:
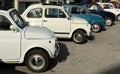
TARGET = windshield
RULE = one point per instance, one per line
(94, 7)
(17, 19)
(67, 10)
(87, 10)
(116, 5)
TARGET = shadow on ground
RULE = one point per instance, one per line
(9, 69)
(62, 57)
(113, 70)
(90, 38)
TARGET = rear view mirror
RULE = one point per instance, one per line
(14, 28)
(69, 18)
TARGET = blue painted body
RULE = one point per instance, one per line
(91, 18)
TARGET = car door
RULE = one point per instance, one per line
(34, 17)
(56, 20)
(9, 40)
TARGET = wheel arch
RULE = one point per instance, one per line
(117, 17)
(76, 30)
(37, 48)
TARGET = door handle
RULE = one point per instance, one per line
(44, 20)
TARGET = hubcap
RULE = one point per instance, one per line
(108, 22)
(95, 28)
(77, 37)
(118, 18)
(37, 62)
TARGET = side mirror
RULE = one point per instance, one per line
(27, 22)
(14, 28)
(69, 18)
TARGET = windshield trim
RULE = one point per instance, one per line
(23, 24)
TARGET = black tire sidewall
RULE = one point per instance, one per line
(117, 17)
(83, 37)
(111, 21)
(100, 28)
(39, 52)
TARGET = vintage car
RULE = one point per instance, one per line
(116, 4)
(96, 9)
(96, 21)
(20, 42)
(110, 8)
(59, 21)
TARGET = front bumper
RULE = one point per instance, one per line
(57, 49)
(91, 36)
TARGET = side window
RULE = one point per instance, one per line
(4, 23)
(67, 9)
(54, 13)
(92, 7)
(75, 10)
(35, 13)
(78, 10)
(105, 6)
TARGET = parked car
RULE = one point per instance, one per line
(20, 42)
(110, 8)
(96, 9)
(96, 21)
(116, 4)
(58, 20)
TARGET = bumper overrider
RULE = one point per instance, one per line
(57, 49)
(91, 36)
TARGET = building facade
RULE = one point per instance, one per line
(21, 5)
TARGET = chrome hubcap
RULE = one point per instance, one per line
(37, 62)
(77, 37)
(108, 22)
(118, 18)
(95, 28)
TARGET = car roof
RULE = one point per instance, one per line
(42, 5)
(72, 5)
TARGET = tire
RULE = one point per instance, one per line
(108, 21)
(118, 17)
(40, 64)
(79, 37)
(96, 27)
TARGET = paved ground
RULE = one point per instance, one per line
(100, 56)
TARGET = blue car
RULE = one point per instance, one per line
(96, 9)
(96, 21)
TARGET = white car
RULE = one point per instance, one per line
(20, 42)
(110, 7)
(59, 21)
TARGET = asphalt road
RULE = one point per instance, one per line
(99, 56)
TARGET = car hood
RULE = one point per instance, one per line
(78, 20)
(97, 17)
(89, 16)
(33, 32)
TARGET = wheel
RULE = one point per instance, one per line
(96, 27)
(108, 21)
(37, 60)
(118, 18)
(79, 37)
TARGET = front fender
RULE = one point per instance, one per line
(32, 48)
(83, 26)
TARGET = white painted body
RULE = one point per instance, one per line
(63, 27)
(111, 8)
(15, 44)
